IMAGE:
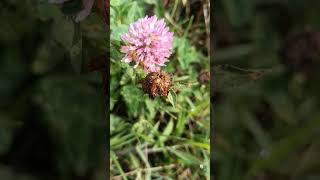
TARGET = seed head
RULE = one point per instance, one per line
(157, 83)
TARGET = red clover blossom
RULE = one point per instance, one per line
(148, 44)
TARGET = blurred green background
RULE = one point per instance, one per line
(51, 105)
(265, 66)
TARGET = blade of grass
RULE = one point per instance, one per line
(114, 158)
(145, 160)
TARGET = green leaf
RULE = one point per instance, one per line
(151, 1)
(128, 76)
(117, 2)
(134, 13)
(172, 99)
(115, 121)
(186, 53)
(134, 161)
(167, 131)
(186, 158)
(116, 32)
(199, 144)
(116, 162)
(151, 106)
(132, 97)
(120, 140)
(182, 119)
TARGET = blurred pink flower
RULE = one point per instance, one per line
(148, 43)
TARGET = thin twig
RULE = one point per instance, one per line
(206, 14)
(156, 150)
(152, 150)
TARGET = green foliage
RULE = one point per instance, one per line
(51, 107)
(132, 95)
(73, 117)
(266, 115)
(174, 128)
(186, 53)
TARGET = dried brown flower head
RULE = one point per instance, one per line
(157, 83)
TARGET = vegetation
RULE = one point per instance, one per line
(161, 137)
(52, 123)
(266, 98)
